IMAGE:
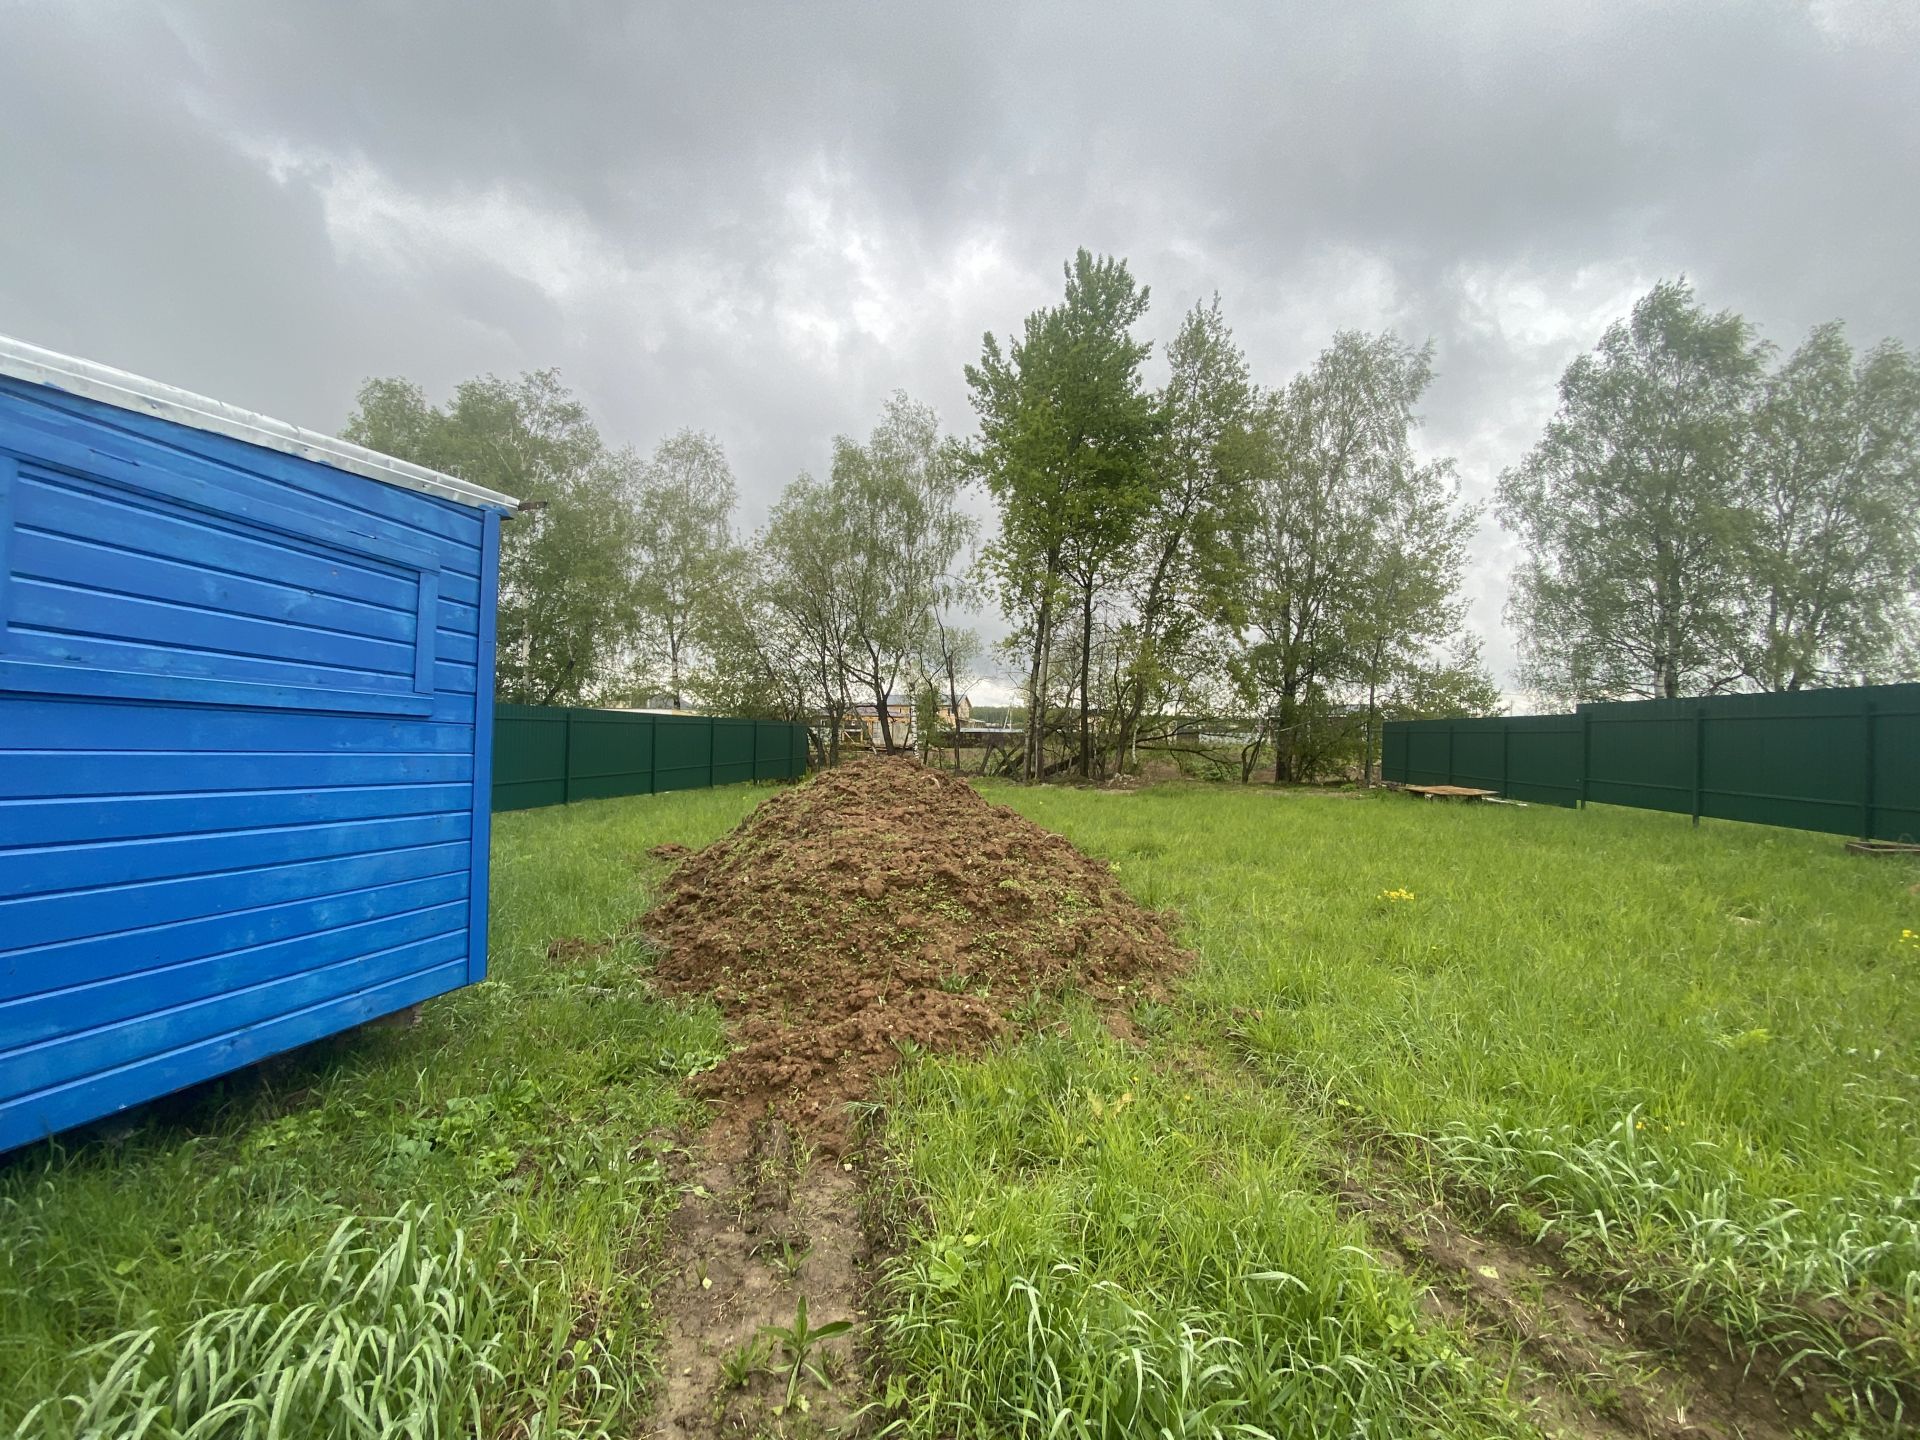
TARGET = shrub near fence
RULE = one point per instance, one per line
(549, 756)
(1842, 761)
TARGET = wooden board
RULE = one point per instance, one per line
(1451, 792)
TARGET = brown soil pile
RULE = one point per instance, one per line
(879, 907)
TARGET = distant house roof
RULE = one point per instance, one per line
(896, 706)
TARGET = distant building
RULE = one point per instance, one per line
(863, 722)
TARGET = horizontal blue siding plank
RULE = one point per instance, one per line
(88, 612)
(460, 647)
(76, 1008)
(70, 1057)
(75, 677)
(43, 723)
(93, 818)
(53, 774)
(45, 919)
(113, 525)
(78, 564)
(234, 932)
(38, 642)
(45, 1113)
(48, 873)
(114, 451)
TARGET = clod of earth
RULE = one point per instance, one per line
(880, 909)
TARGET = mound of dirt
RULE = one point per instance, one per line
(882, 907)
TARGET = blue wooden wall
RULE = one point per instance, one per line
(243, 776)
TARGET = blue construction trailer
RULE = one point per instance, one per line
(246, 710)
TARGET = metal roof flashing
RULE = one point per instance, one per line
(149, 397)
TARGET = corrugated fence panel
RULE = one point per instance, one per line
(1645, 760)
(732, 751)
(1842, 761)
(549, 756)
(609, 754)
(529, 757)
(684, 757)
(1896, 772)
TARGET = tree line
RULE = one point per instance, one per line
(1699, 519)
(1275, 568)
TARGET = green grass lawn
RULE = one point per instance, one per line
(497, 1169)
(1690, 1054)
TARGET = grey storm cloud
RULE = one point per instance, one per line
(759, 220)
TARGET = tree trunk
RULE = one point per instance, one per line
(881, 702)
(1086, 671)
(1250, 754)
(1366, 752)
(1037, 685)
(953, 709)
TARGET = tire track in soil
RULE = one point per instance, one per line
(1597, 1372)
(764, 1224)
(881, 909)
(1592, 1372)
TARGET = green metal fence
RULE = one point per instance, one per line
(1844, 761)
(549, 756)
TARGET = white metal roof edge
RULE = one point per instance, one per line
(149, 397)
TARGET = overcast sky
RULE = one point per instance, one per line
(758, 220)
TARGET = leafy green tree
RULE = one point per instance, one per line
(1833, 483)
(566, 611)
(1631, 506)
(926, 716)
(684, 556)
(1187, 570)
(897, 494)
(1067, 428)
(1454, 683)
(1350, 535)
(753, 659)
(954, 653)
(1410, 605)
(804, 556)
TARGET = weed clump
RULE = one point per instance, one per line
(887, 909)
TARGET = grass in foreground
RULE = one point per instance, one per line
(1102, 1246)
(434, 1231)
(1693, 1054)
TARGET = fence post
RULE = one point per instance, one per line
(1506, 734)
(1586, 753)
(1699, 757)
(653, 754)
(1866, 791)
(1449, 752)
(713, 742)
(566, 756)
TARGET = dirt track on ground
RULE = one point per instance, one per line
(881, 909)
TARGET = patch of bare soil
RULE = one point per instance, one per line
(881, 909)
(767, 1247)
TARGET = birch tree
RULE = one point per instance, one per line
(566, 610)
(1833, 485)
(683, 552)
(1066, 432)
(1631, 507)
